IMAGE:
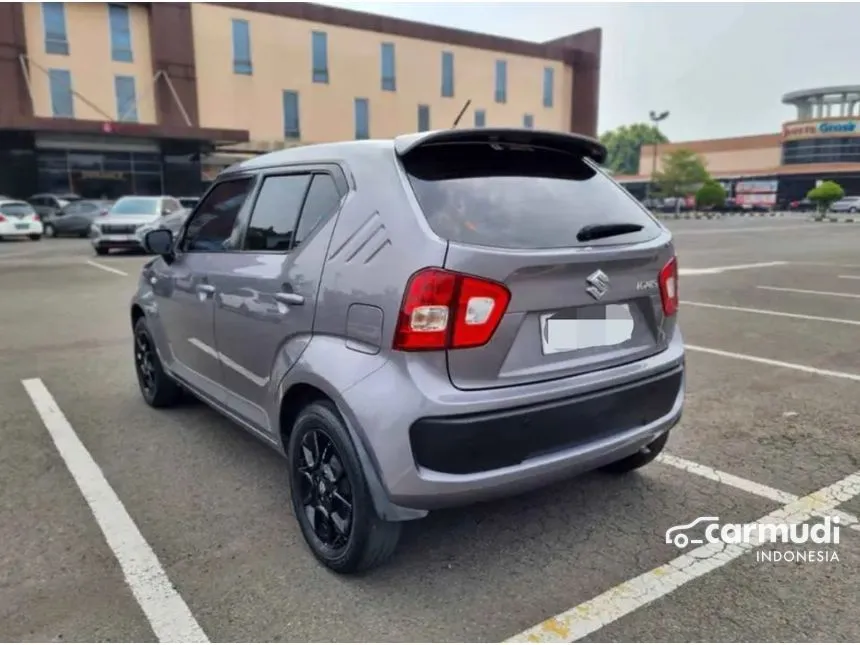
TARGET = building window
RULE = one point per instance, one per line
(825, 150)
(126, 98)
(120, 33)
(242, 47)
(501, 81)
(548, 83)
(54, 20)
(362, 119)
(291, 115)
(319, 47)
(447, 74)
(61, 93)
(389, 77)
(480, 118)
(423, 118)
(528, 121)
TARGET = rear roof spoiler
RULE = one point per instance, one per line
(565, 141)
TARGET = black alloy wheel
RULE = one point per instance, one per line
(326, 491)
(143, 362)
(330, 496)
(156, 386)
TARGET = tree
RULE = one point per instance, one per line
(711, 193)
(624, 145)
(683, 172)
(825, 194)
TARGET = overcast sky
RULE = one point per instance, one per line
(720, 68)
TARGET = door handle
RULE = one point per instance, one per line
(290, 298)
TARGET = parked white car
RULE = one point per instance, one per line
(19, 219)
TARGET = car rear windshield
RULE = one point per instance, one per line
(16, 209)
(517, 196)
(135, 206)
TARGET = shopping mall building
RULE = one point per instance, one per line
(822, 142)
(108, 99)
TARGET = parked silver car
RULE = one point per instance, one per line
(419, 323)
(846, 205)
(120, 228)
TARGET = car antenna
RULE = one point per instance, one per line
(462, 112)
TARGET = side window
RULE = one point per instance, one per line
(276, 211)
(83, 208)
(322, 200)
(72, 209)
(212, 223)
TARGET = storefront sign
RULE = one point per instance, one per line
(750, 187)
(829, 128)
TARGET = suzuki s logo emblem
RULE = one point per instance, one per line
(598, 284)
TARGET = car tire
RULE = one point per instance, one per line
(326, 474)
(156, 387)
(639, 459)
(100, 250)
(35, 237)
(49, 231)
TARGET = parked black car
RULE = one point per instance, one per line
(75, 218)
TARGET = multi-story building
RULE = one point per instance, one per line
(106, 99)
(821, 142)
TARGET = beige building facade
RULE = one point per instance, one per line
(140, 97)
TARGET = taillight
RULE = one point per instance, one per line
(2, 219)
(103, 212)
(447, 310)
(36, 217)
(669, 287)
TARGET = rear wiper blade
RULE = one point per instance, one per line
(599, 231)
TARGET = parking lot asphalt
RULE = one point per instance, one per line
(770, 312)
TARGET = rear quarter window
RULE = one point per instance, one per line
(519, 197)
(16, 209)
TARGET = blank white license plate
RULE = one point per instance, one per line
(613, 327)
(117, 237)
(22, 227)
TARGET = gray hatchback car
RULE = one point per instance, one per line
(419, 323)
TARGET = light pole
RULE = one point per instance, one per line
(655, 120)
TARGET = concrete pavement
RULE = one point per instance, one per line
(212, 503)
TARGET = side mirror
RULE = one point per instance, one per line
(159, 242)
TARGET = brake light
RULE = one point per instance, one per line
(668, 280)
(2, 219)
(446, 310)
(36, 217)
(103, 212)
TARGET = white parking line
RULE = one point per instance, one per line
(590, 616)
(732, 267)
(725, 478)
(850, 277)
(773, 363)
(770, 312)
(104, 267)
(837, 294)
(746, 485)
(169, 616)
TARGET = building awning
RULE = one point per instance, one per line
(216, 136)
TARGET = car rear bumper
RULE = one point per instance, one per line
(11, 227)
(477, 443)
(493, 444)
